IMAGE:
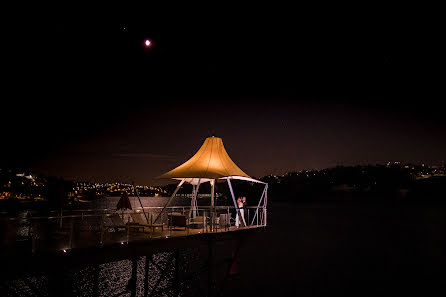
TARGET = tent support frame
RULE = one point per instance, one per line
(235, 202)
(265, 190)
(170, 199)
(139, 199)
(194, 205)
(212, 208)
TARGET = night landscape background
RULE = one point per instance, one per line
(339, 110)
(285, 89)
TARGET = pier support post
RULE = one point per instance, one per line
(56, 282)
(176, 284)
(146, 276)
(96, 280)
(134, 278)
(210, 267)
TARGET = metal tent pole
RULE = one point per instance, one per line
(212, 204)
(265, 204)
(260, 201)
(171, 197)
(192, 203)
(194, 200)
(142, 207)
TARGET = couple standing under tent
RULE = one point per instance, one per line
(241, 205)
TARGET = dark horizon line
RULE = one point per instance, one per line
(31, 171)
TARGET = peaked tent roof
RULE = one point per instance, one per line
(211, 161)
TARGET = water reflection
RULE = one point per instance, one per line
(108, 279)
(155, 273)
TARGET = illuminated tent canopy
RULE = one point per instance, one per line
(210, 163)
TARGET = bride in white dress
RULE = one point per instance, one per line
(240, 209)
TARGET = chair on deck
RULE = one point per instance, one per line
(140, 220)
(224, 221)
(118, 223)
(177, 220)
(197, 222)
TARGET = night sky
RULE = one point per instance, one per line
(286, 89)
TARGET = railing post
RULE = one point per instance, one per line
(257, 211)
(102, 229)
(170, 223)
(204, 221)
(71, 233)
(128, 233)
(207, 225)
(211, 221)
(228, 220)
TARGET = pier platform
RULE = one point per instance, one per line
(52, 256)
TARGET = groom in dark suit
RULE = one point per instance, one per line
(244, 208)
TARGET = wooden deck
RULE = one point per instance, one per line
(51, 254)
(179, 232)
(71, 236)
(146, 234)
(73, 231)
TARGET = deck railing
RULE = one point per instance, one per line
(64, 230)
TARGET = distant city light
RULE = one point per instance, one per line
(147, 42)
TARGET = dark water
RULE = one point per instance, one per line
(307, 250)
(155, 273)
(346, 250)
